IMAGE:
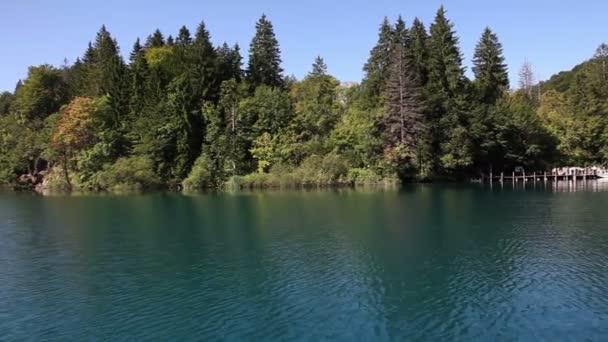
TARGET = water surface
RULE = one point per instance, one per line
(424, 263)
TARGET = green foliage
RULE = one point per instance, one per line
(136, 172)
(43, 92)
(264, 66)
(182, 111)
(376, 68)
(6, 99)
(491, 77)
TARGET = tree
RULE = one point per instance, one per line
(316, 105)
(491, 76)
(75, 130)
(185, 126)
(138, 72)
(43, 92)
(155, 40)
(401, 36)
(319, 68)
(527, 80)
(6, 99)
(376, 68)
(447, 98)
(419, 50)
(403, 120)
(183, 37)
(230, 62)
(264, 67)
(203, 67)
(446, 73)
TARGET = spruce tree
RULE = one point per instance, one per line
(419, 50)
(138, 71)
(446, 73)
(447, 97)
(203, 67)
(136, 51)
(183, 37)
(230, 62)
(155, 40)
(403, 120)
(319, 68)
(264, 66)
(401, 35)
(491, 77)
(376, 68)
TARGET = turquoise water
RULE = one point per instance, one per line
(468, 263)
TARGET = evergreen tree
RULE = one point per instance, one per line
(319, 68)
(403, 120)
(446, 73)
(203, 67)
(170, 41)
(183, 37)
(491, 77)
(155, 40)
(447, 97)
(401, 35)
(138, 80)
(136, 52)
(419, 50)
(264, 66)
(230, 62)
(376, 68)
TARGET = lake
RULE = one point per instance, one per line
(428, 262)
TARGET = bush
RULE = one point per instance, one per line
(200, 176)
(135, 172)
(361, 176)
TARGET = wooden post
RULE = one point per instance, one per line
(514, 179)
(535, 177)
(502, 177)
(545, 176)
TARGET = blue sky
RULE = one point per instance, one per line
(552, 35)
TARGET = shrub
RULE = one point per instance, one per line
(135, 172)
(201, 175)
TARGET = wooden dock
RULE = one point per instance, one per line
(540, 177)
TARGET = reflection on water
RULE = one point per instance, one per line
(599, 185)
(428, 262)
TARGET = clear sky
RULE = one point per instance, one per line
(553, 35)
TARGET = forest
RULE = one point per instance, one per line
(179, 112)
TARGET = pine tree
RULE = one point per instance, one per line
(155, 40)
(264, 66)
(203, 67)
(491, 77)
(401, 34)
(446, 73)
(447, 97)
(230, 62)
(136, 52)
(376, 68)
(319, 68)
(183, 37)
(138, 72)
(403, 120)
(419, 50)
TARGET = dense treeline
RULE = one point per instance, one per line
(181, 112)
